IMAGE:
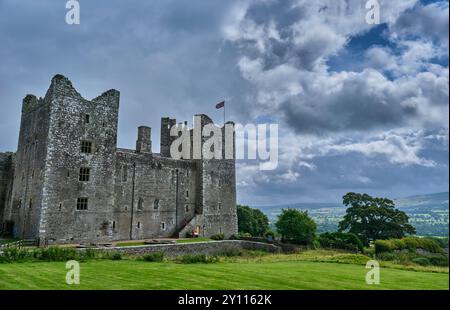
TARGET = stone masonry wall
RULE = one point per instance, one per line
(208, 248)
(6, 175)
(75, 120)
(164, 195)
(24, 207)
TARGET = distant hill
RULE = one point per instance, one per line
(428, 213)
(420, 203)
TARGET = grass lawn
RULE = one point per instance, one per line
(257, 273)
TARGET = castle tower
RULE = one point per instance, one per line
(144, 142)
(24, 209)
(216, 187)
(166, 140)
(66, 153)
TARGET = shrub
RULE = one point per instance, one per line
(54, 254)
(116, 256)
(244, 236)
(434, 259)
(438, 260)
(442, 242)
(197, 259)
(421, 261)
(269, 234)
(316, 244)
(408, 256)
(90, 254)
(154, 257)
(370, 251)
(13, 254)
(355, 259)
(231, 252)
(218, 237)
(344, 241)
(382, 246)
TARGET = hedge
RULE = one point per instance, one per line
(408, 243)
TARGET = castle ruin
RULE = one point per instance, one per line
(69, 183)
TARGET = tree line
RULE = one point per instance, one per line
(366, 219)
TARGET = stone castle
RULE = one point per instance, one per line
(69, 183)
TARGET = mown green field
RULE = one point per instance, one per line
(272, 274)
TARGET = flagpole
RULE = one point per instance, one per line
(224, 114)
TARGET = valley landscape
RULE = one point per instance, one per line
(427, 213)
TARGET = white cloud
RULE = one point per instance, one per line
(396, 148)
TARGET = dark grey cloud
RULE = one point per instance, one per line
(166, 57)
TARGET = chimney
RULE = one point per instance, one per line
(144, 142)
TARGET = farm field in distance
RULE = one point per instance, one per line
(269, 272)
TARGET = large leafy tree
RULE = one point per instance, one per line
(252, 221)
(296, 226)
(372, 218)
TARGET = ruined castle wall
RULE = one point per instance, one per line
(6, 177)
(155, 179)
(73, 121)
(24, 209)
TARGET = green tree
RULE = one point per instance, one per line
(372, 218)
(252, 221)
(296, 226)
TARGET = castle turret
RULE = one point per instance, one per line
(144, 142)
(166, 140)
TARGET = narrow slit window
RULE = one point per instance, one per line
(125, 174)
(156, 204)
(163, 226)
(87, 118)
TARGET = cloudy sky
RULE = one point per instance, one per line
(360, 107)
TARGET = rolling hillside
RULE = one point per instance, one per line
(428, 213)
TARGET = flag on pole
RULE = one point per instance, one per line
(220, 105)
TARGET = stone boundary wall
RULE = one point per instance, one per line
(208, 248)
